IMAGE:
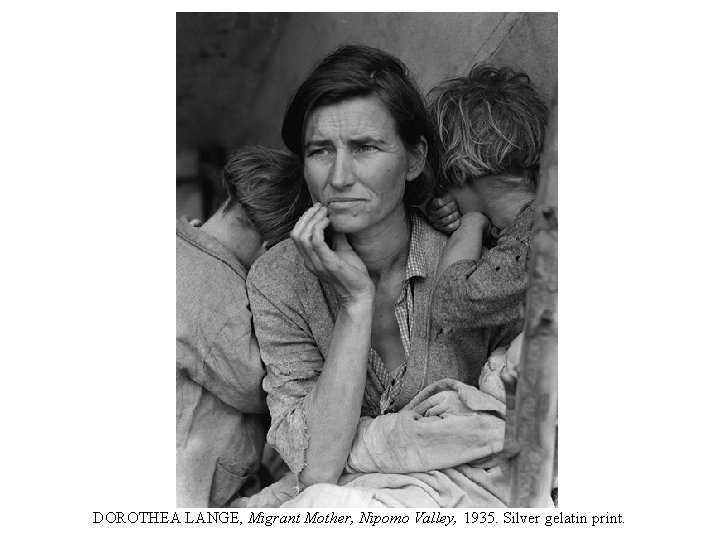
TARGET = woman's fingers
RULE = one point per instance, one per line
(302, 234)
(308, 222)
(441, 403)
(313, 238)
(300, 228)
(320, 249)
(311, 225)
(428, 403)
(340, 267)
(437, 410)
(313, 228)
(422, 407)
(340, 242)
(317, 234)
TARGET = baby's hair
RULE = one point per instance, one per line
(267, 186)
(491, 122)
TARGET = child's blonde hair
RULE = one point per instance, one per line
(493, 121)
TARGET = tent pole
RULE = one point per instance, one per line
(536, 400)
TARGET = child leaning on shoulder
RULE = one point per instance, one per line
(492, 125)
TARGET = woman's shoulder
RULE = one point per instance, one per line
(429, 240)
(281, 268)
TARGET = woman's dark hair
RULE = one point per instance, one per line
(357, 71)
(267, 186)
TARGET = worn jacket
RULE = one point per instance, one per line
(294, 315)
(220, 410)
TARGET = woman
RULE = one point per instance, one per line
(342, 309)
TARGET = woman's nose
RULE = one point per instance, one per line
(341, 174)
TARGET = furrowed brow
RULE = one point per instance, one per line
(317, 142)
(367, 139)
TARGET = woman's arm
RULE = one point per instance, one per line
(312, 395)
(333, 406)
(315, 401)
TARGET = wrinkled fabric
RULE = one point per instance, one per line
(272, 496)
(413, 461)
(409, 442)
(221, 415)
(409, 460)
(294, 316)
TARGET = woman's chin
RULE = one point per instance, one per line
(347, 224)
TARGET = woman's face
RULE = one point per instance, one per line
(356, 164)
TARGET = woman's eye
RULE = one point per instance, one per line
(316, 152)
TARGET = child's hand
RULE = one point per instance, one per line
(444, 214)
(509, 373)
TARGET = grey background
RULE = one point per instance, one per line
(236, 71)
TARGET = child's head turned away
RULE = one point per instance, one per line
(491, 124)
(266, 188)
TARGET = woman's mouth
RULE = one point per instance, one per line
(340, 202)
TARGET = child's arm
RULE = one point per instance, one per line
(489, 291)
(444, 212)
(466, 242)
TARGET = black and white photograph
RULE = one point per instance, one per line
(362, 304)
(366, 260)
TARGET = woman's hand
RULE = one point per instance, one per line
(443, 403)
(444, 214)
(341, 268)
